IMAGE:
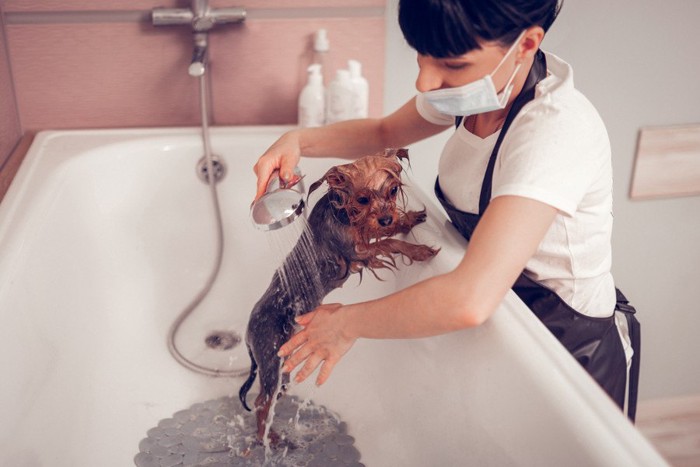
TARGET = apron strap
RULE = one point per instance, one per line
(537, 73)
(635, 335)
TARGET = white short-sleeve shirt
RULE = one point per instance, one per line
(557, 152)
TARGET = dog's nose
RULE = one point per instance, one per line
(386, 221)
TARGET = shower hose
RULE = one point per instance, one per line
(187, 311)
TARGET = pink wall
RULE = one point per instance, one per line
(10, 131)
(77, 67)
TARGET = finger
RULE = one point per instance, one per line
(296, 358)
(305, 319)
(295, 341)
(263, 180)
(287, 170)
(312, 362)
(325, 372)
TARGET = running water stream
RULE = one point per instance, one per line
(300, 279)
(298, 270)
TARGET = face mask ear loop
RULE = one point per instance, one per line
(517, 41)
(506, 92)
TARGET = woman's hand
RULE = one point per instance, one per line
(284, 155)
(323, 341)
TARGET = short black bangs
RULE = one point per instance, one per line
(449, 28)
(419, 21)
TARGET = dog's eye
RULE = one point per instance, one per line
(363, 199)
(394, 191)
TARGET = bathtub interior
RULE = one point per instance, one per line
(106, 235)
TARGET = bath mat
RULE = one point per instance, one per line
(220, 433)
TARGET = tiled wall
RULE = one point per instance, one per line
(87, 64)
(10, 131)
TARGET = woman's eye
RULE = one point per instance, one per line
(456, 65)
(363, 200)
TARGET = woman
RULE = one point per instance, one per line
(526, 178)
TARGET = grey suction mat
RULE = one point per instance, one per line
(221, 433)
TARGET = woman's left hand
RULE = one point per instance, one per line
(322, 341)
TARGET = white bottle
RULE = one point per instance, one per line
(360, 86)
(312, 99)
(340, 96)
(321, 47)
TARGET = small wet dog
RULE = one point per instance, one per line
(350, 230)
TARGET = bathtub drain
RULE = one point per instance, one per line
(203, 169)
(222, 340)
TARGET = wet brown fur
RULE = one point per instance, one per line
(351, 226)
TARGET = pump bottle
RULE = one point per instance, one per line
(340, 96)
(360, 90)
(312, 99)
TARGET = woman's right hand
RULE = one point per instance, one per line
(283, 155)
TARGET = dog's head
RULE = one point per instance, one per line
(366, 192)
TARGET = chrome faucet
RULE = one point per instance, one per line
(202, 19)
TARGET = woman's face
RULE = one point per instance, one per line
(439, 73)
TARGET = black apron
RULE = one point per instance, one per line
(594, 342)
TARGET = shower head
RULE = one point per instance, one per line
(279, 206)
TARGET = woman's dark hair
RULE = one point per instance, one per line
(447, 28)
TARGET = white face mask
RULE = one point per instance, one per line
(476, 97)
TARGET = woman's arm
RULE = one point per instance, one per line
(507, 236)
(349, 139)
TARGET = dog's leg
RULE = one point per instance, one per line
(262, 410)
(263, 405)
(391, 246)
(409, 220)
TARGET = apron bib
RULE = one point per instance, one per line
(594, 342)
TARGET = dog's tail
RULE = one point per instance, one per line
(249, 382)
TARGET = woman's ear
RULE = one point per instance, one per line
(530, 42)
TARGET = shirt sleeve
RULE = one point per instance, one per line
(554, 153)
(431, 114)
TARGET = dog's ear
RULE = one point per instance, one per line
(334, 177)
(315, 185)
(399, 153)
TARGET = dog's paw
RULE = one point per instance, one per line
(277, 441)
(409, 220)
(416, 217)
(423, 252)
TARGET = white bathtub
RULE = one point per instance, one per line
(106, 235)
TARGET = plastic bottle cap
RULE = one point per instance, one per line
(342, 75)
(314, 73)
(355, 68)
(321, 43)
